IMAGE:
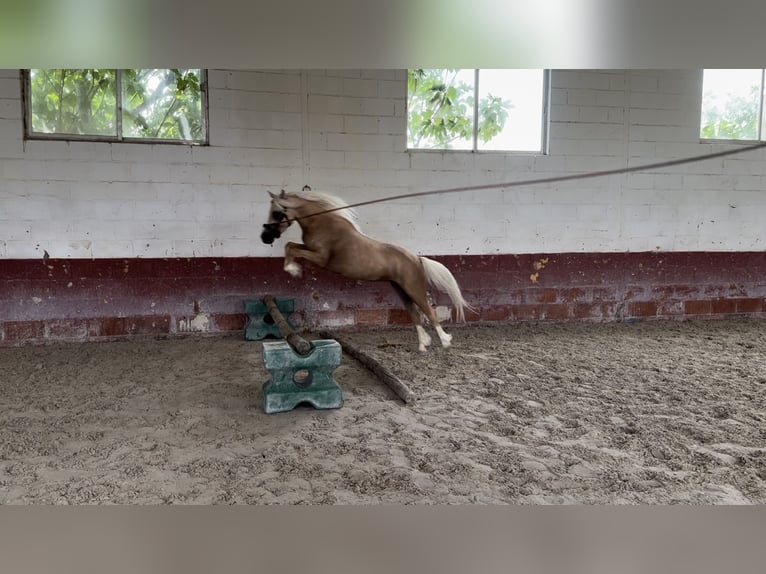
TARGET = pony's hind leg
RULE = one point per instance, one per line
(415, 292)
(424, 339)
(444, 337)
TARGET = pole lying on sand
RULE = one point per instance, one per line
(384, 374)
(298, 343)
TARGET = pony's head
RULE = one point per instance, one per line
(278, 221)
(287, 208)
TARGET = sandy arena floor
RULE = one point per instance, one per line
(655, 412)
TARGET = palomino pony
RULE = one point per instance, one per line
(333, 241)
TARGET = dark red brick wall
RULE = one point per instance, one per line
(84, 299)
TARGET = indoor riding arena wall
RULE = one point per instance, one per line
(107, 240)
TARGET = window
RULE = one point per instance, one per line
(498, 110)
(153, 105)
(732, 105)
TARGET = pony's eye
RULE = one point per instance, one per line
(278, 215)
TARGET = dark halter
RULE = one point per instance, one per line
(271, 230)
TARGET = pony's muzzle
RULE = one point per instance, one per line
(270, 233)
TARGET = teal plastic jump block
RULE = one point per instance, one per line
(260, 324)
(299, 379)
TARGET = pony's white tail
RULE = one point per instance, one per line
(440, 278)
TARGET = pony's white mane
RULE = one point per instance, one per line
(327, 201)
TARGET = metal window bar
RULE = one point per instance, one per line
(26, 88)
(475, 146)
(546, 127)
(118, 102)
(760, 109)
(205, 119)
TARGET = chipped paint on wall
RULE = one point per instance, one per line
(197, 324)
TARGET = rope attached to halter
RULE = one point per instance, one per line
(553, 179)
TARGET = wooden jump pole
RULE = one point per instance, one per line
(384, 374)
(298, 343)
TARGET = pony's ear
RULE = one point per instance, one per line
(273, 195)
(282, 195)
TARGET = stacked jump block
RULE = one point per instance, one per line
(301, 371)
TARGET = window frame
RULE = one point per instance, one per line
(761, 134)
(545, 126)
(26, 91)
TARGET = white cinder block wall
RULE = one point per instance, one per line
(344, 132)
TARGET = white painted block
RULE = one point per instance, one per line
(104, 249)
(594, 114)
(362, 160)
(361, 142)
(14, 229)
(259, 119)
(189, 173)
(24, 249)
(392, 75)
(655, 101)
(641, 83)
(362, 88)
(10, 87)
(581, 97)
(565, 113)
(344, 73)
(394, 161)
(153, 248)
(582, 79)
(360, 125)
(327, 159)
(610, 99)
(262, 81)
(10, 109)
(146, 153)
(615, 115)
(392, 89)
(325, 85)
(326, 123)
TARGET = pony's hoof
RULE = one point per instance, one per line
(445, 338)
(293, 269)
(422, 348)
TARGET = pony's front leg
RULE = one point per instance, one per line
(294, 250)
(290, 265)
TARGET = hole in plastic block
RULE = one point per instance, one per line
(302, 377)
